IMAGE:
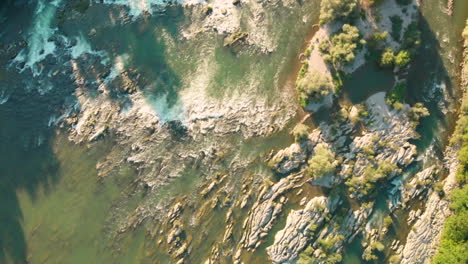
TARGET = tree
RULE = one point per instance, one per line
(387, 58)
(300, 132)
(418, 111)
(341, 48)
(331, 10)
(397, 24)
(377, 40)
(322, 163)
(313, 86)
(402, 58)
(412, 38)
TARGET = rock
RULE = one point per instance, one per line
(175, 232)
(235, 38)
(291, 240)
(423, 239)
(175, 212)
(414, 189)
(289, 159)
(265, 211)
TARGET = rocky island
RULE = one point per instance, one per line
(234, 131)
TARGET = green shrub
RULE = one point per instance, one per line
(397, 95)
(387, 221)
(377, 246)
(300, 132)
(331, 10)
(412, 38)
(374, 2)
(322, 162)
(341, 48)
(418, 111)
(366, 183)
(459, 199)
(387, 58)
(378, 38)
(402, 58)
(313, 86)
(397, 24)
(395, 259)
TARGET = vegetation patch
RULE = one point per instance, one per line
(323, 162)
(454, 242)
(331, 10)
(397, 24)
(341, 48)
(300, 132)
(313, 87)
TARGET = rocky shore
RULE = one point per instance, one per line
(245, 197)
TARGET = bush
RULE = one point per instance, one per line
(377, 41)
(402, 58)
(397, 95)
(378, 246)
(371, 175)
(459, 199)
(412, 38)
(387, 221)
(331, 10)
(300, 132)
(313, 86)
(323, 161)
(341, 48)
(397, 24)
(395, 259)
(418, 111)
(387, 58)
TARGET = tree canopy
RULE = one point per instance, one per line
(314, 86)
(331, 10)
(323, 161)
(402, 58)
(387, 58)
(341, 48)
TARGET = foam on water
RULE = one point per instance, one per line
(39, 34)
(165, 111)
(4, 97)
(137, 7)
(120, 63)
(82, 46)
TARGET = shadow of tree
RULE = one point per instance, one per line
(28, 160)
(24, 166)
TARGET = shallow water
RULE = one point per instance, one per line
(60, 211)
(68, 214)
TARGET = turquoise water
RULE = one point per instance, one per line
(58, 210)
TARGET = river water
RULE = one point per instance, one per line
(55, 209)
(58, 210)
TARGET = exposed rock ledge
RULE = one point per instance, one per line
(291, 240)
(424, 238)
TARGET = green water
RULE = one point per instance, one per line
(55, 208)
(366, 81)
(58, 209)
(68, 216)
